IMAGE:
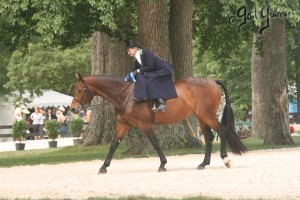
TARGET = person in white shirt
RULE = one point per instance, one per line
(36, 118)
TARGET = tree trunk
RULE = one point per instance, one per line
(269, 86)
(154, 34)
(108, 58)
(181, 37)
(180, 26)
(153, 27)
(256, 74)
(297, 63)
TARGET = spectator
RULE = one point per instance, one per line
(69, 117)
(42, 124)
(49, 115)
(25, 110)
(30, 129)
(61, 119)
(36, 118)
(18, 115)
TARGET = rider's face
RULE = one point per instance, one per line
(132, 51)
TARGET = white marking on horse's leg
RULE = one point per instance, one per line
(227, 162)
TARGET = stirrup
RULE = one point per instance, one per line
(160, 108)
(154, 109)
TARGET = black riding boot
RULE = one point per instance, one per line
(161, 107)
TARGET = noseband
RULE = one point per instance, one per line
(86, 94)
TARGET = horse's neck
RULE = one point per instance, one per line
(109, 88)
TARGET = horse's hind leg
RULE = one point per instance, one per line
(223, 136)
(221, 130)
(208, 136)
(153, 139)
(120, 133)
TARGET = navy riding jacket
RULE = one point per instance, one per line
(155, 78)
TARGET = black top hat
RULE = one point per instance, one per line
(132, 43)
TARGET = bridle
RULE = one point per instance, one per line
(86, 94)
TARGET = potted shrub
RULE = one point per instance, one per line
(19, 133)
(75, 127)
(52, 127)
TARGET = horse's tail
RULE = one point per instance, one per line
(234, 140)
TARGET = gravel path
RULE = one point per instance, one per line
(267, 174)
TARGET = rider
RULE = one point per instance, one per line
(153, 76)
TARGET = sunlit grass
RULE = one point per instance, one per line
(78, 153)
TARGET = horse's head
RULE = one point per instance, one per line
(82, 94)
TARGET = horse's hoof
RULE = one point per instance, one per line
(102, 171)
(227, 162)
(162, 169)
(200, 167)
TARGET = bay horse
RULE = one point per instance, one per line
(200, 96)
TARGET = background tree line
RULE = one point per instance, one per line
(44, 38)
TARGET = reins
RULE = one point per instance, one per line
(104, 103)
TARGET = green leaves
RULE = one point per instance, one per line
(63, 22)
(213, 32)
(4, 60)
(76, 126)
(19, 130)
(44, 68)
(52, 127)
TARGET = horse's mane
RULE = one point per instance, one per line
(113, 80)
(109, 75)
(202, 78)
(106, 76)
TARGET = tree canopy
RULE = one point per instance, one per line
(62, 22)
(42, 68)
(4, 60)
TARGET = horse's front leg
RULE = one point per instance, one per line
(121, 131)
(154, 141)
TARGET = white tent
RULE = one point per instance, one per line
(51, 99)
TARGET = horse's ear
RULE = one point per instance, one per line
(79, 77)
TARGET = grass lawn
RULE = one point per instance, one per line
(77, 153)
